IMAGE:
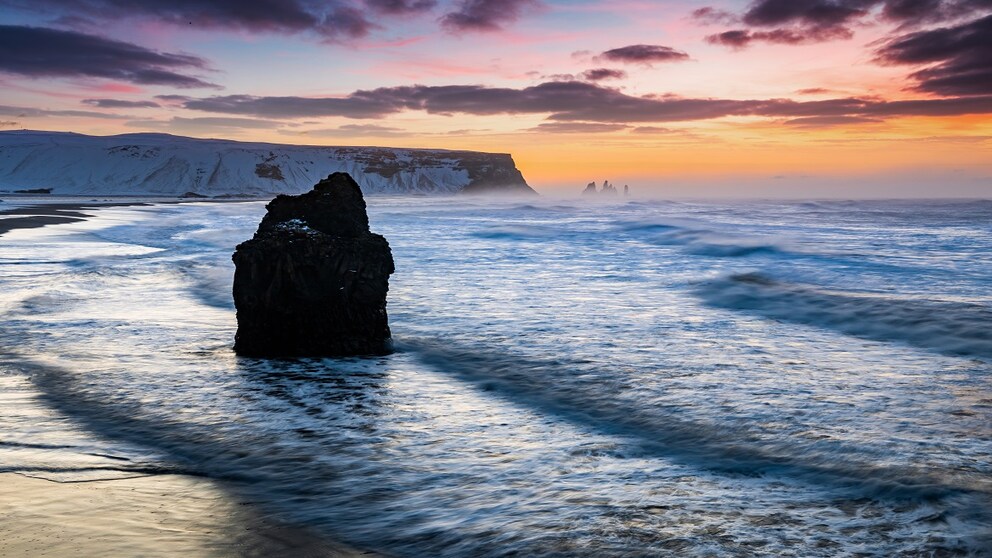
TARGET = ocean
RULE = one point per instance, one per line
(639, 378)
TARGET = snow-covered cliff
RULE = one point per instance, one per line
(165, 165)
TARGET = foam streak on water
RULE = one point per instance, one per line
(804, 379)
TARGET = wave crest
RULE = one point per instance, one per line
(953, 328)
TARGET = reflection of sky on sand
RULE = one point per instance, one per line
(567, 394)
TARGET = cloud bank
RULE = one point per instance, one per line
(809, 21)
(572, 101)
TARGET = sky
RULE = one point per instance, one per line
(767, 98)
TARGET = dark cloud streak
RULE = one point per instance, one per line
(330, 19)
(39, 52)
(600, 74)
(710, 16)
(810, 21)
(31, 112)
(960, 57)
(117, 103)
(742, 38)
(401, 7)
(811, 13)
(485, 15)
(644, 54)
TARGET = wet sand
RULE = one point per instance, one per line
(153, 516)
(40, 215)
(34, 215)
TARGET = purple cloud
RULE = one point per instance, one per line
(644, 54)
(811, 13)
(600, 74)
(401, 7)
(117, 103)
(711, 16)
(742, 38)
(959, 57)
(30, 112)
(485, 15)
(808, 21)
(332, 19)
(39, 52)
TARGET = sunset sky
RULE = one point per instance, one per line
(803, 98)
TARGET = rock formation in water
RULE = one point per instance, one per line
(608, 189)
(313, 279)
(626, 191)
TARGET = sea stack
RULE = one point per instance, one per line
(313, 279)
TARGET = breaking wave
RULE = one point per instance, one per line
(698, 240)
(954, 328)
(517, 232)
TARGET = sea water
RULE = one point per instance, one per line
(571, 379)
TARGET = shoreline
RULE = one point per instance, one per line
(37, 215)
(39, 212)
(151, 516)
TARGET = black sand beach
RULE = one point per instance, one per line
(40, 215)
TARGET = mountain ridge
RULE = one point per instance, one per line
(157, 164)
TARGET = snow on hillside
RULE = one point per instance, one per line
(165, 165)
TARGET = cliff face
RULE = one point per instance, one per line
(164, 165)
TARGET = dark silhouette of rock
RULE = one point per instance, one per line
(492, 174)
(607, 190)
(626, 191)
(192, 195)
(313, 279)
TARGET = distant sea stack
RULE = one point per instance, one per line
(174, 166)
(313, 279)
(608, 189)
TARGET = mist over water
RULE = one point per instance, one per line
(642, 378)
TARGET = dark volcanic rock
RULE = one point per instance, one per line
(313, 279)
(492, 174)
